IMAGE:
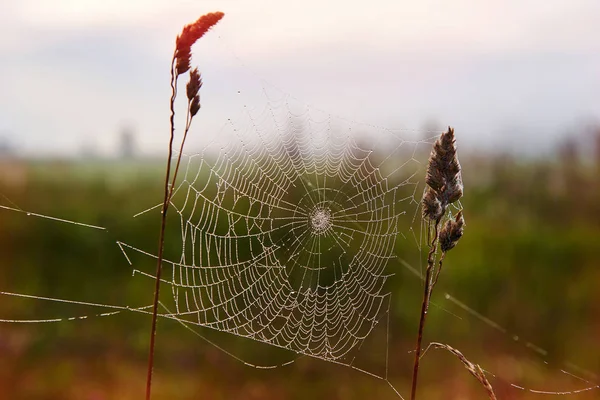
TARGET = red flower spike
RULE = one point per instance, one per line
(189, 35)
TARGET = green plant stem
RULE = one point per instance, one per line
(424, 307)
(161, 239)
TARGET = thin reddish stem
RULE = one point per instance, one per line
(424, 308)
(188, 123)
(161, 239)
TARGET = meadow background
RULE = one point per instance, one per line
(528, 262)
(83, 132)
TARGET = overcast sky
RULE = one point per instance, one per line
(512, 73)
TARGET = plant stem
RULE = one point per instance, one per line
(161, 239)
(424, 308)
(188, 123)
(439, 269)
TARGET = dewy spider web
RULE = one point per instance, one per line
(287, 230)
(292, 220)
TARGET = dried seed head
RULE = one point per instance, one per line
(432, 206)
(443, 175)
(474, 369)
(192, 32)
(195, 105)
(189, 35)
(452, 232)
(183, 57)
(194, 84)
(434, 177)
(453, 190)
(443, 169)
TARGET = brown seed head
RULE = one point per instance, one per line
(434, 177)
(452, 232)
(194, 84)
(474, 369)
(189, 35)
(183, 59)
(443, 164)
(453, 190)
(431, 206)
(195, 105)
(443, 174)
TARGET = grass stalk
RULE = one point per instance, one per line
(180, 63)
(444, 187)
(428, 288)
(161, 240)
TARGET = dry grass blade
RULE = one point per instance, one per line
(474, 369)
(179, 64)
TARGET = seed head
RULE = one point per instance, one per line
(434, 177)
(195, 105)
(453, 189)
(189, 35)
(432, 206)
(443, 176)
(452, 232)
(194, 84)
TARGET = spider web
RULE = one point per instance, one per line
(288, 228)
(291, 220)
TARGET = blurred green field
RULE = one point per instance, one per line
(528, 263)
